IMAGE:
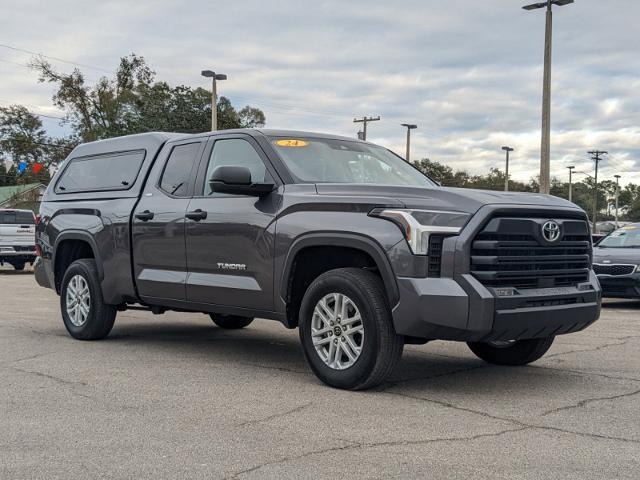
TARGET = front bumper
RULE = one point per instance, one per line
(443, 309)
(627, 286)
(457, 306)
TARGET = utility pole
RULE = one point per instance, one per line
(571, 181)
(595, 156)
(409, 127)
(545, 148)
(506, 169)
(364, 120)
(214, 95)
(617, 197)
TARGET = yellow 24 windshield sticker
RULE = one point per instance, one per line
(289, 142)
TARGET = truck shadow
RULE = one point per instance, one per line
(255, 347)
(11, 272)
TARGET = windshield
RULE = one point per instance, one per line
(319, 160)
(625, 237)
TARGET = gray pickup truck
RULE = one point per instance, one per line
(339, 237)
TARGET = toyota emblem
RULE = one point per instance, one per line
(551, 231)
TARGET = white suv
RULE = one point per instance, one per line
(17, 238)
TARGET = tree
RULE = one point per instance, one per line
(23, 139)
(133, 102)
(443, 174)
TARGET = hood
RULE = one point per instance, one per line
(444, 198)
(616, 255)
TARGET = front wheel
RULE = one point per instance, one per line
(513, 352)
(84, 312)
(347, 331)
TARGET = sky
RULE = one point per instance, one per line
(468, 73)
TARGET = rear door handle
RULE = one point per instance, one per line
(196, 215)
(144, 216)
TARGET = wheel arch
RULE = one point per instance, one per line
(72, 245)
(359, 243)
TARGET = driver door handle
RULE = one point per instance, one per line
(196, 215)
(144, 216)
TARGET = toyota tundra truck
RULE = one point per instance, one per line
(339, 237)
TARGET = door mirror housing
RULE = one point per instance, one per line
(237, 181)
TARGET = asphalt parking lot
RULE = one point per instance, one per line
(173, 396)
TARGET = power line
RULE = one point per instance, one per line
(44, 144)
(14, 63)
(31, 106)
(57, 59)
(365, 120)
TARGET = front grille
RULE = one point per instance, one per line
(511, 252)
(613, 270)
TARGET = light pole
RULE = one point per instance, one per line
(214, 95)
(571, 181)
(409, 127)
(596, 158)
(545, 149)
(617, 196)
(506, 169)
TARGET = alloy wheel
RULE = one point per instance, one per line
(78, 300)
(337, 331)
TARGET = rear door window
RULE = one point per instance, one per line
(16, 218)
(112, 171)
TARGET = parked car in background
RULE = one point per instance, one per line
(17, 238)
(616, 262)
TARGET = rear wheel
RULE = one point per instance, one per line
(513, 352)
(18, 266)
(347, 331)
(230, 322)
(84, 312)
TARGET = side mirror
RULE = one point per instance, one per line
(237, 181)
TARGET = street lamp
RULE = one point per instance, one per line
(545, 149)
(617, 197)
(214, 95)
(571, 167)
(506, 170)
(409, 127)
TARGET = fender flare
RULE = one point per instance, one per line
(349, 240)
(82, 236)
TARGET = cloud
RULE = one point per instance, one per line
(468, 73)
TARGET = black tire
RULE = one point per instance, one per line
(520, 352)
(19, 266)
(381, 348)
(100, 318)
(230, 322)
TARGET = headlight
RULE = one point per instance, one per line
(637, 268)
(418, 225)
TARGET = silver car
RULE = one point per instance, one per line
(17, 237)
